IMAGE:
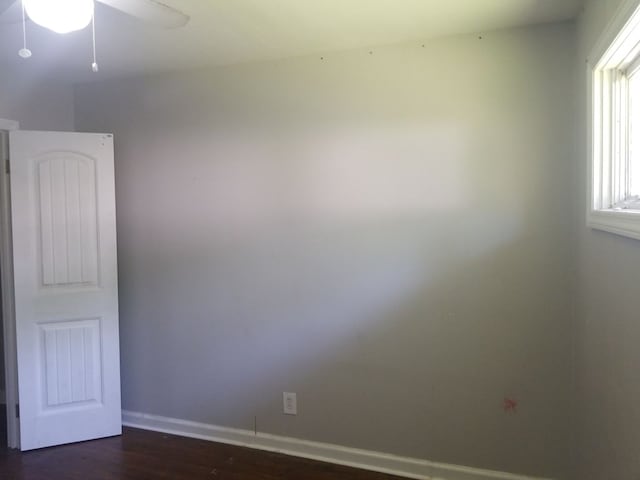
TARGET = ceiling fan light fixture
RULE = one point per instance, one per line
(60, 16)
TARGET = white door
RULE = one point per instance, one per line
(65, 275)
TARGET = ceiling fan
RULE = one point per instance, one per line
(64, 16)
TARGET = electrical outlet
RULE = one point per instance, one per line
(289, 403)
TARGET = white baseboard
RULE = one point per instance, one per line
(352, 457)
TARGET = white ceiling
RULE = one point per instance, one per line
(235, 31)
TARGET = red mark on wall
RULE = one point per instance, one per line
(510, 405)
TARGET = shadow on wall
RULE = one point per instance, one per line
(401, 299)
(374, 325)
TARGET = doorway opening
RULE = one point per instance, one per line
(4, 436)
(9, 432)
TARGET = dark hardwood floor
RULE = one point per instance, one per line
(141, 455)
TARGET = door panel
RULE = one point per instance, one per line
(64, 245)
(68, 220)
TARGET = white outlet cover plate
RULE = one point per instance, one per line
(289, 403)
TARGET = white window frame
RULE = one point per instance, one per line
(614, 58)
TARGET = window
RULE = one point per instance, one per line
(614, 203)
(634, 133)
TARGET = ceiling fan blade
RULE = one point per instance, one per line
(149, 11)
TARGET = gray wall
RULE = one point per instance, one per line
(385, 234)
(608, 314)
(36, 101)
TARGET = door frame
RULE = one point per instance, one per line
(7, 288)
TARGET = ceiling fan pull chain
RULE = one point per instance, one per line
(94, 65)
(24, 52)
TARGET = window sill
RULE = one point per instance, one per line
(620, 222)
